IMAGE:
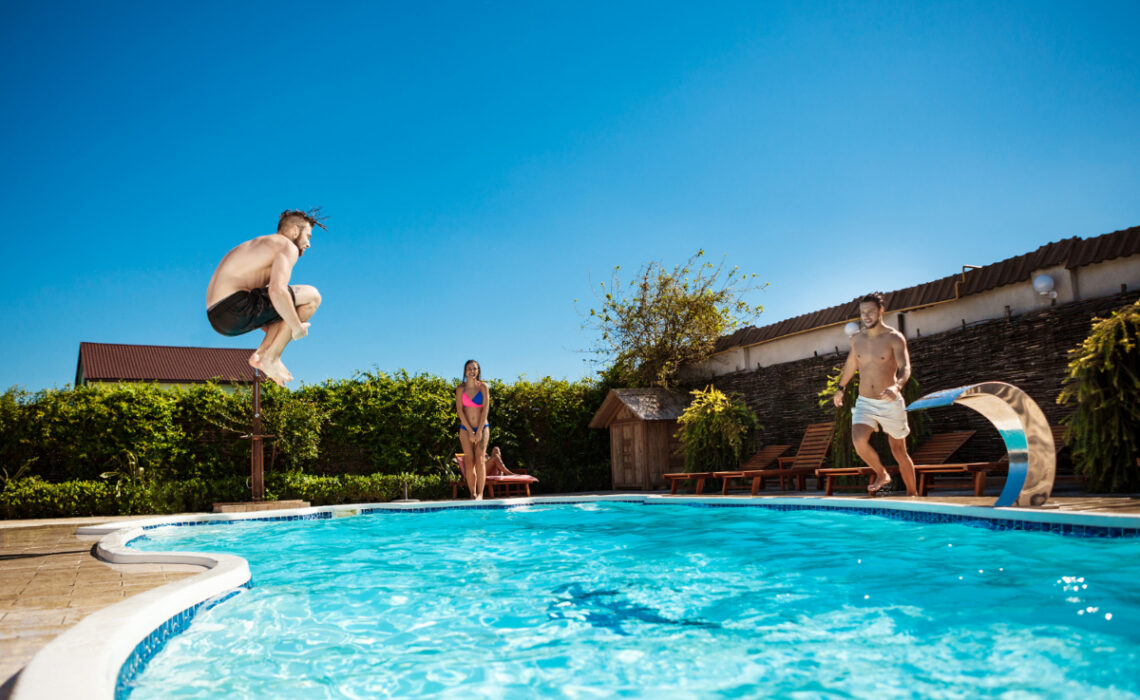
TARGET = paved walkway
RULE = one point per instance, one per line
(50, 579)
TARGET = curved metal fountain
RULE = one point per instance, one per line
(1032, 459)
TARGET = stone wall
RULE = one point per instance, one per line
(1028, 351)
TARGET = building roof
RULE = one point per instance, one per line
(646, 404)
(1072, 252)
(160, 363)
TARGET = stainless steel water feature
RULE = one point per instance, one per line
(1032, 459)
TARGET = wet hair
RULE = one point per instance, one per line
(874, 298)
(479, 376)
(313, 216)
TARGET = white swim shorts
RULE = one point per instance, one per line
(890, 415)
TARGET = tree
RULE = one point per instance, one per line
(1103, 385)
(666, 319)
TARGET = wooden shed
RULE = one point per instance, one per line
(642, 424)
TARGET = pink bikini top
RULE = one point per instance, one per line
(476, 402)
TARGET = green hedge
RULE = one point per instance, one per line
(180, 450)
(33, 497)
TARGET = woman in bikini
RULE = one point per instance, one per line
(472, 401)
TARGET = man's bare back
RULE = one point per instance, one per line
(248, 266)
(250, 289)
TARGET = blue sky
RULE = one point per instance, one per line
(485, 164)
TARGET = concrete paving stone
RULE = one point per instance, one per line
(41, 633)
(148, 580)
(99, 601)
(53, 578)
(21, 620)
(47, 602)
(97, 583)
(11, 565)
(41, 588)
(58, 567)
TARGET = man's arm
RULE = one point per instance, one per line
(902, 368)
(279, 274)
(845, 376)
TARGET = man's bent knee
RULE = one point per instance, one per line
(306, 295)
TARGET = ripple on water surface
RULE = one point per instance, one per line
(662, 600)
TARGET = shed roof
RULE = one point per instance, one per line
(646, 404)
(160, 363)
(1072, 252)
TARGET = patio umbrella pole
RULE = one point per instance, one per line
(257, 451)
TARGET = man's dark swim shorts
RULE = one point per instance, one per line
(242, 312)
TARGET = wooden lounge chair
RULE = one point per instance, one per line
(813, 448)
(504, 482)
(976, 470)
(759, 462)
(676, 478)
(939, 448)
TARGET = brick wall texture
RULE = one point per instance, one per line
(1029, 351)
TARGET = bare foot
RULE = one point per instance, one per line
(278, 370)
(879, 482)
(270, 369)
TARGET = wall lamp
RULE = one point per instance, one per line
(1043, 285)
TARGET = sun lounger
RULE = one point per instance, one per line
(757, 463)
(939, 448)
(505, 482)
(813, 448)
(676, 478)
(977, 471)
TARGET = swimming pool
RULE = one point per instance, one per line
(654, 600)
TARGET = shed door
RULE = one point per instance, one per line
(628, 470)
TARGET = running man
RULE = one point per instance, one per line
(250, 290)
(878, 353)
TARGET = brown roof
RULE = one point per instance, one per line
(646, 404)
(159, 363)
(1073, 252)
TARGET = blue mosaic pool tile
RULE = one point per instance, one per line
(487, 506)
(1069, 529)
(323, 515)
(145, 650)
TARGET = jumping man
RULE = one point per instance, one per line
(878, 353)
(250, 289)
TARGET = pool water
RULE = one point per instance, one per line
(608, 599)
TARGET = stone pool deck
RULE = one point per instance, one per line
(50, 579)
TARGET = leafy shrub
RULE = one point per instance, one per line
(1103, 386)
(714, 431)
(401, 422)
(81, 433)
(35, 498)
